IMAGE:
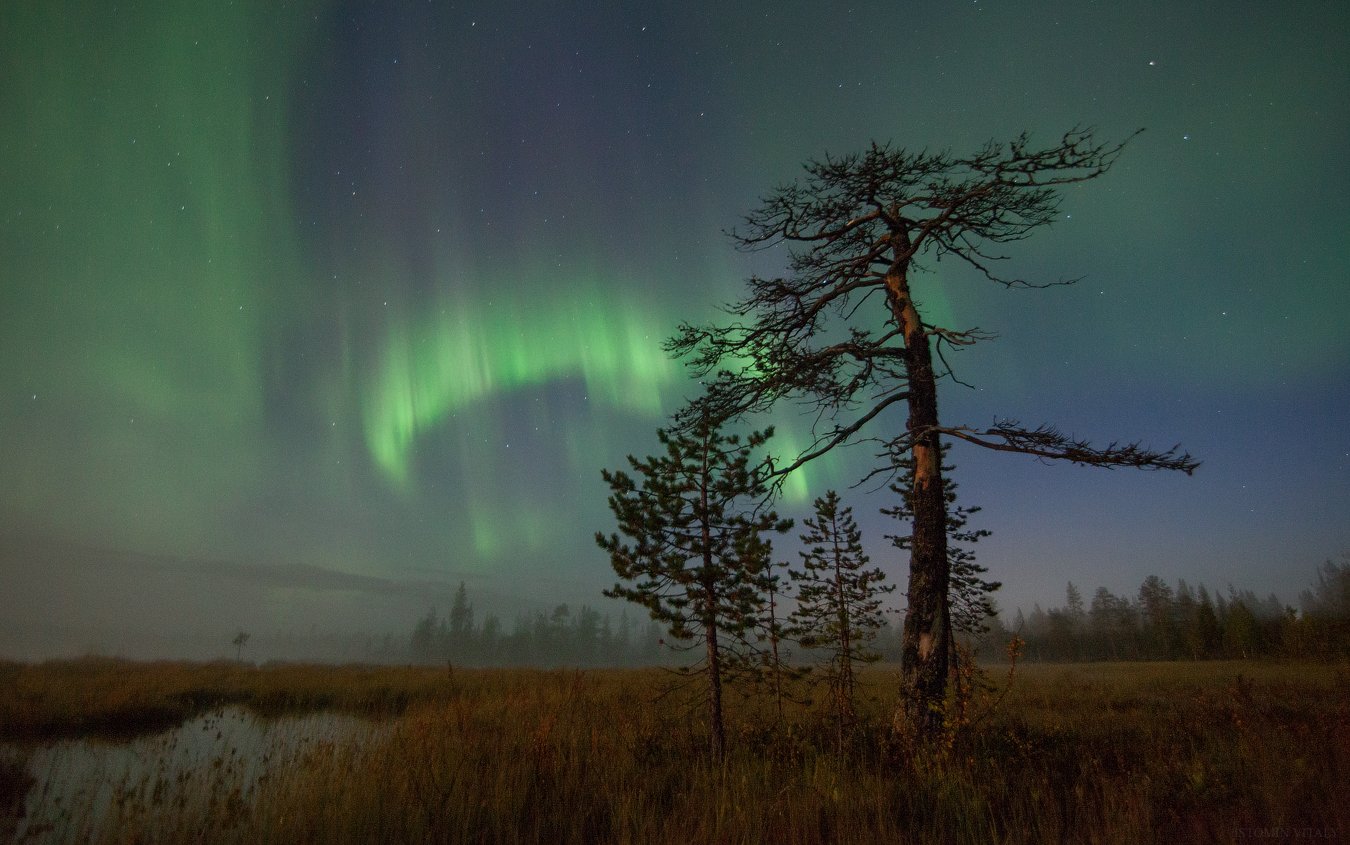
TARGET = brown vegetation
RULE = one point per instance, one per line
(1161, 752)
(121, 698)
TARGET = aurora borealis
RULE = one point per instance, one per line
(375, 290)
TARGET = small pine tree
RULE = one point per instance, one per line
(1075, 612)
(697, 560)
(461, 617)
(838, 601)
(775, 631)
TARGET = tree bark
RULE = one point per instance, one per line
(718, 738)
(927, 631)
(773, 644)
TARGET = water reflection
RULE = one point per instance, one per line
(210, 767)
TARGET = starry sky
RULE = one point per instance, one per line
(311, 310)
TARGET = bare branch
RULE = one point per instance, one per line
(839, 435)
(1046, 441)
(856, 223)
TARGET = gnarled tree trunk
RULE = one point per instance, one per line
(927, 632)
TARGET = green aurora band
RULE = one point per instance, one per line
(164, 154)
(444, 361)
(434, 366)
(161, 276)
(145, 244)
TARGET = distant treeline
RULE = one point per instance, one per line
(1161, 622)
(563, 636)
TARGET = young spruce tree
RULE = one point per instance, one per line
(774, 632)
(696, 555)
(838, 601)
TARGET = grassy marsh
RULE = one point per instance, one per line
(1156, 752)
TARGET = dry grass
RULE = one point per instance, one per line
(1092, 753)
(122, 698)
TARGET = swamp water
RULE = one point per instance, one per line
(210, 769)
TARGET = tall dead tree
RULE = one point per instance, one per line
(843, 334)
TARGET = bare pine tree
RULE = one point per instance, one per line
(844, 335)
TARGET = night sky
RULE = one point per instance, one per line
(310, 311)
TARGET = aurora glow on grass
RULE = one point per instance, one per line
(380, 289)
